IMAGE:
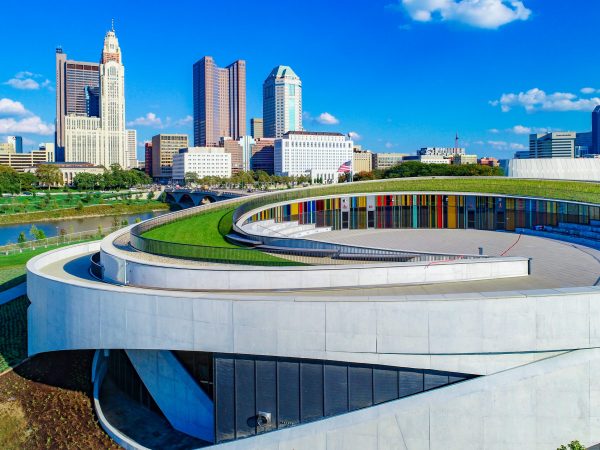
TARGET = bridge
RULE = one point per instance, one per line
(186, 198)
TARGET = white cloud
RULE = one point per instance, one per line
(389, 145)
(33, 124)
(520, 129)
(183, 122)
(536, 99)
(28, 84)
(10, 107)
(494, 130)
(504, 145)
(149, 120)
(589, 90)
(27, 81)
(354, 136)
(490, 14)
(327, 119)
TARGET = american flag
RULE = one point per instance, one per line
(346, 167)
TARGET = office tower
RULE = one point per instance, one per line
(282, 102)
(262, 155)
(16, 142)
(100, 140)
(319, 155)
(148, 158)
(234, 148)
(77, 92)
(256, 128)
(219, 101)
(596, 130)
(131, 156)
(164, 146)
(552, 145)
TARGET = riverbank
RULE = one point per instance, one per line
(85, 212)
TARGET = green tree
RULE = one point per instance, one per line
(86, 181)
(49, 175)
(79, 206)
(27, 180)
(22, 238)
(574, 445)
(9, 180)
(191, 177)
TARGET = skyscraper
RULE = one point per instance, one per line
(282, 102)
(77, 91)
(219, 101)
(98, 140)
(596, 130)
(17, 143)
(256, 128)
(131, 149)
(163, 147)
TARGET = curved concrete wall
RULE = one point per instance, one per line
(470, 333)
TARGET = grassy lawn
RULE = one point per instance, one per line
(207, 232)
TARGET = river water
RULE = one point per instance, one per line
(10, 233)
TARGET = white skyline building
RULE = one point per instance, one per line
(316, 154)
(203, 161)
(282, 102)
(102, 140)
(131, 149)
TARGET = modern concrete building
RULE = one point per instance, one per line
(439, 348)
(362, 160)
(164, 147)
(203, 161)
(131, 156)
(318, 155)
(22, 161)
(102, 139)
(282, 102)
(580, 169)
(382, 161)
(262, 155)
(16, 142)
(77, 89)
(236, 151)
(219, 101)
(256, 128)
(464, 159)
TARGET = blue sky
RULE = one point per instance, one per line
(400, 74)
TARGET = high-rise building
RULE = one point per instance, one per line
(16, 142)
(596, 130)
(101, 140)
(552, 145)
(262, 155)
(148, 158)
(282, 102)
(164, 146)
(219, 101)
(77, 92)
(319, 155)
(256, 127)
(234, 148)
(131, 149)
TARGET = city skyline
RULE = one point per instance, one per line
(461, 73)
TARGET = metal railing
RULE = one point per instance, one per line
(274, 251)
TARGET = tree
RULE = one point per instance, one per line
(574, 445)
(191, 177)
(22, 238)
(79, 206)
(49, 175)
(27, 181)
(9, 180)
(37, 233)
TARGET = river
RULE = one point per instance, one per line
(10, 233)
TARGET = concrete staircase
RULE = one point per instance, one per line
(588, 235)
